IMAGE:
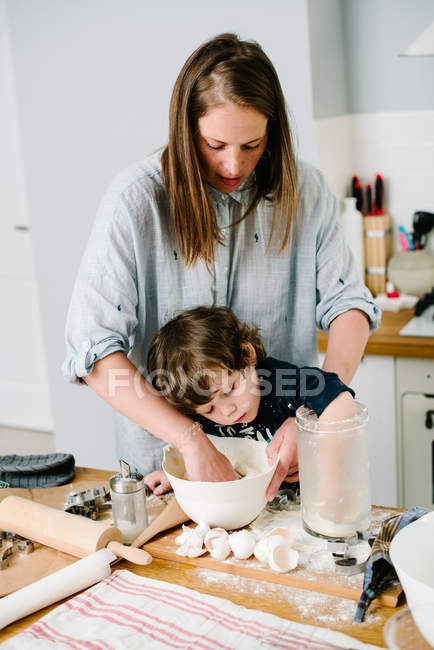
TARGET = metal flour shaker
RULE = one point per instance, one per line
(128, 495)
(334, 473)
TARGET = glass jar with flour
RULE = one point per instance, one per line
(334, 473)
(128, 495)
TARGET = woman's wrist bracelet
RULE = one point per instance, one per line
(189, 433)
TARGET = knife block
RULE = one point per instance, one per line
(378, 248)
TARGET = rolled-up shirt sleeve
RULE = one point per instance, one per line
(339, 287)
(102, 314)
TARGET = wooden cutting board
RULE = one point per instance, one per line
(25, 569)
(315, 574)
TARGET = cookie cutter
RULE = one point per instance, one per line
(89, 503)
(17, 544)
(286, 499)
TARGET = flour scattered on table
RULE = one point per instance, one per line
(323, 609)
(315, 561)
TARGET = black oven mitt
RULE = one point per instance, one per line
(37, 470)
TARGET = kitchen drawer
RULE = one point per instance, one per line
(414, 375)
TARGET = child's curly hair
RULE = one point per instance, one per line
(193, 343)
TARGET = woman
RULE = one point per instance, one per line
(224, 216)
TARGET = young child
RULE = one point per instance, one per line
(213, 367)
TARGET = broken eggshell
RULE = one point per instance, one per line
(282, 558)
(217, 543)
(221, 549)
(265, 546)
(275, 540)
(190, 550)
(182, 538)
(187, 533)
(261, 551)
(202, 528)
(192, 545)
(275, 549)
(283, 532)
(213, 535)
(242, 543)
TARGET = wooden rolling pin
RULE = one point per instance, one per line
(72, 534)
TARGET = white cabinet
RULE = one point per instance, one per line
(415, 400)
(374, 384)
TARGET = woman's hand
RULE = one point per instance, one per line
(203, 462)
(284, 443)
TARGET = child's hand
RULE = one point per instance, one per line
(341, 408)
(158, 482)
(284, 443)
(334, 451)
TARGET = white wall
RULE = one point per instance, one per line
(355, 47)
(388, 126)
(328, 58)
(375, 33)
(93, 84)
(24, 396)
(12, 193)
(398, 144)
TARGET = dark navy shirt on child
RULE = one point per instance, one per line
(284, 387)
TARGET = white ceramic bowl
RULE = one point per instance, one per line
(412, 554)
(229, 504)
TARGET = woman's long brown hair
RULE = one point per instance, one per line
(226, 69)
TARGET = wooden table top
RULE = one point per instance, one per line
(294, 604)
(386, 340)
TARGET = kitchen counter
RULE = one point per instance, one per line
(387, 341)
(247, 592)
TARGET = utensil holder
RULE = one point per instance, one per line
(378, 247)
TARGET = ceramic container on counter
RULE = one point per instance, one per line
(228, 504)
(333, 460)
(412, 272)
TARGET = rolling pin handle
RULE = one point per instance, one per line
(134, 555)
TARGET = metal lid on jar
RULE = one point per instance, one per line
(127, 484)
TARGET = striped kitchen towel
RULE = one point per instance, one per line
(127, 611)
(379, 570)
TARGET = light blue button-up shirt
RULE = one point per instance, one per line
(132, 279)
